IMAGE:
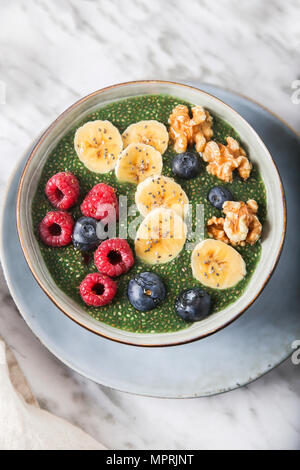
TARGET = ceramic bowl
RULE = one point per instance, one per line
(273, 234)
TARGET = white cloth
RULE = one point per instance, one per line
(23, 425)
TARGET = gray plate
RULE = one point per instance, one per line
(258, 341)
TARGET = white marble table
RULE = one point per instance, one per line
(52, 53)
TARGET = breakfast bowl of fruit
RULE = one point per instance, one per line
(151, 213)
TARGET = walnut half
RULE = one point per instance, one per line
(224, 159)
(186, 131)
(240, 226)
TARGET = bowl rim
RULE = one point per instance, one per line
(48, 130)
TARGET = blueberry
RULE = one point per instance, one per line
(146, 291)
(186, 165)
(85, 234)
(193, 304)
(218, 195)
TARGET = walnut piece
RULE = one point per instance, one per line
(215, 229)
(224, 159)
(186, 131)
(240, 226)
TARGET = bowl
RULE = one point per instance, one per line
(273, 234)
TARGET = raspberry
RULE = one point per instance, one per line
(101, 202)
(114, 257)
(97, 289)
(62, 190)
(56, 228)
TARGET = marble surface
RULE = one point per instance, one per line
(52, 53)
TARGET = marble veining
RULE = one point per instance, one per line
(49, 57)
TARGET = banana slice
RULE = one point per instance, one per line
(160, 237)
(152, 133)
(161, 191)
(217, 265)
(137, 162)
(98, 144)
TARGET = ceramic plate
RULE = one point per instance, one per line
(255, 343)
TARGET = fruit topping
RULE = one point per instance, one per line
(152, 133)
(85, 234)
(193, 304)
(146, 291)
(137, 162)
(186, 165)
(56, 228)
(240, 226)
(101, 203)
(223, 160)
(97, 289)
(186, 131)
(160, 237)
(217, 265)
(114, 257)
(98, 144)
(63, 190)
(218, 195)
(161, 191)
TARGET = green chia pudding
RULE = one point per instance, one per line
(69, 267)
